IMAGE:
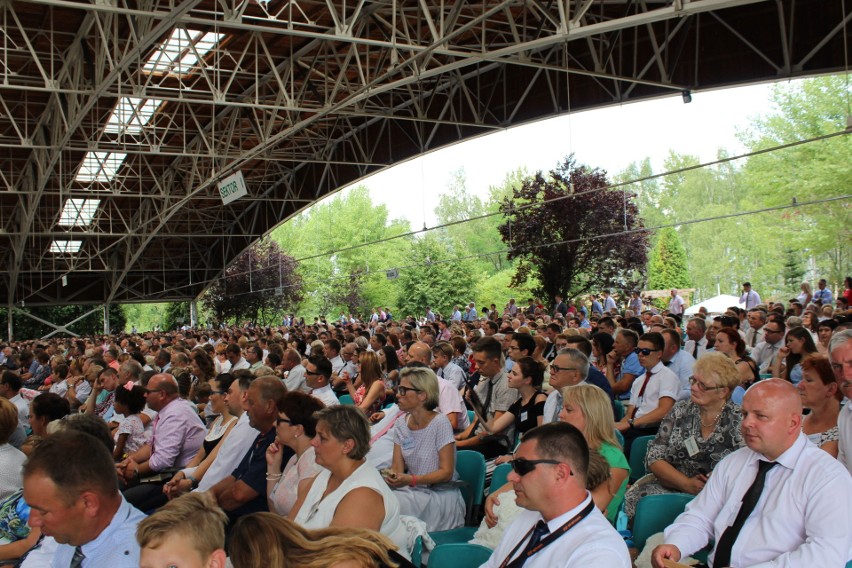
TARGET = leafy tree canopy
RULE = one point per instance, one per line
(579, 236)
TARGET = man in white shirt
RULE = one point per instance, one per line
(332, 353)
(755, 333)
(442, 353)
(318, 379)
(10, 388)
(291, 363)
(236, 361)
(678, 361)
(696, 331)
(765, 351)
(561, 527)
(676, 303)
(749, 298)
(609, 302)
(781, 501)
(840, 348)
(652, 394)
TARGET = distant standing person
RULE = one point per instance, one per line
(676, 303)
(749, 297)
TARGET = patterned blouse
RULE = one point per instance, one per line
(683, 422)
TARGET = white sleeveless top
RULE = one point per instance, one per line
(317, 512)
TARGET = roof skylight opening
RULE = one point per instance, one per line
(131, 114)
(177, 55)
(65, 247)
(78, 212)
(100, 166)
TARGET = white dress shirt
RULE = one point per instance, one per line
(751, 340)
(751, 299)
(663, 382)
(764, 353)
(676, 305)
(337, 364)
(453, 373)
(844, 427)
(592, 542)
(295, 380)
(234, 448)
(802, 518)
(681, 365)
(609, 303)
(689, 347)
(326, 395)
(552, 407)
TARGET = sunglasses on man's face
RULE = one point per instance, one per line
(523, 466)
(644, 351)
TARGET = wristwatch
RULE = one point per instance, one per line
(630, 422)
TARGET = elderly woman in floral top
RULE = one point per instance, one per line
(695, 435)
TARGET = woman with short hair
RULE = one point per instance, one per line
(821, 395)
(349, 492)
(695, 435)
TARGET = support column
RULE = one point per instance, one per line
(106, 319)
(193, 313)
(9, 310)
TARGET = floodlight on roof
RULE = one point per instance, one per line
(100, 166)
(78, 212)
(131, 114)
(65, 247)
(178, 54)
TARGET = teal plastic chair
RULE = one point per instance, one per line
(620, 438)
(654, 513)
(417, 552)
(499, 476)
(619, 410)
(471, 468)
(458, 555)
(637, 457)
(471, 416)
(346, 399)
(453, 536)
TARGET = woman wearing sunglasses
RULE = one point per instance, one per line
(296, 427)
(424, 454)
(587, 408)
(695, 435)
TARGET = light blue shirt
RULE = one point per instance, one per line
(115, 547)
(824, 295)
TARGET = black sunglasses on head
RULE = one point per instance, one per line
(523, 466)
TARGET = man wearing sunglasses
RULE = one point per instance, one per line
(652, 394)
(561, 527)
(318, 378)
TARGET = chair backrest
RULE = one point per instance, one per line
(499, 476)
(471, 468)
(471, 416)
(637, 457)
(654, 513)
(619, 410)
(620, 437)
(346, 399)
(458, 555)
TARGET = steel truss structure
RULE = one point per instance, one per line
(112, 143)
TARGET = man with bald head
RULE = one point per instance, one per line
(178, 432)
(780, 501)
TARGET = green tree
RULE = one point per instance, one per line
(667, 267)
(93, 324)
(434, 277)
(793, 271)
(175, 316)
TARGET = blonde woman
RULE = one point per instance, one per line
(261, 540)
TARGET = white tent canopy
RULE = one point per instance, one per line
(715, 305)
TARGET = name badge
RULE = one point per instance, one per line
(408, 444)
(523, 416)
(691, 446)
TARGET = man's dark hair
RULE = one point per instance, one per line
(655, 339)
(490, 346)
(492, 325)
(631, 336)
(673, 335)
(555, 327)
(562, 442)
(75, 461)
(51, 406)
(334, 345)
(322, 364)
(727, 321)
(580, 343)
(12, 380)
(233, 348)
(380, 337)
(607, 321)
(164, 355)
(245, 378)
(525, 342)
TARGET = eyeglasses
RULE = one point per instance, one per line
(644, 351)
(219, 392)
(312, 373)
(558, 369)
(404, 390)
(701, 386)
(149, 391)
(280, 421)
(523, 466)
(767, 330)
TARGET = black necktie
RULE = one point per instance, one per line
(77, 559)
(695, 351)
(539, 533)
(750, 499)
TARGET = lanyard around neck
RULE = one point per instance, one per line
(569, 524)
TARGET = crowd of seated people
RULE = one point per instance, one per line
(346, 433)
